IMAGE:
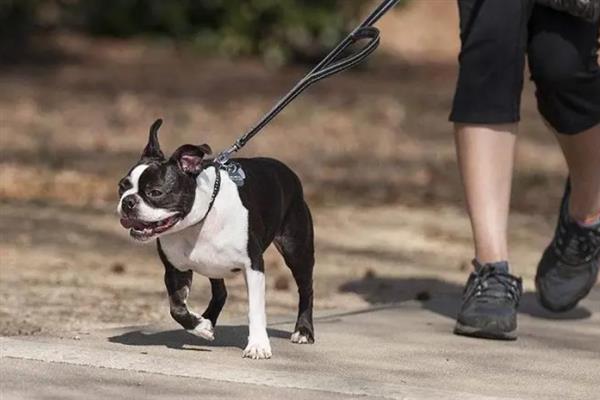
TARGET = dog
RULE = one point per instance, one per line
(204, 222)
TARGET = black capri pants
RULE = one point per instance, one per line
(563, 60)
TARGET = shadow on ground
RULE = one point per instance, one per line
(441, 297)
(225, 336)
(435, 295)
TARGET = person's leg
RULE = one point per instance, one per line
(486, 112)
(563, 58)
(582, 152)
(564, 65)
(568, 269)
(485, 157)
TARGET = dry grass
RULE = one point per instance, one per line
(371, 136)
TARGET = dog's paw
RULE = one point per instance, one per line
(204, 330)
(301, 338)
(259, 350)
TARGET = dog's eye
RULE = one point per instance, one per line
(154, 193)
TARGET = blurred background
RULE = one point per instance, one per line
(82, 80)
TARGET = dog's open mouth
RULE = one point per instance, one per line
(142, 230)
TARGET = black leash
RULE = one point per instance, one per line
(326, 68)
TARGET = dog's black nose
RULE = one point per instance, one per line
(129, 203)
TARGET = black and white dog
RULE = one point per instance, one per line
(205, 223)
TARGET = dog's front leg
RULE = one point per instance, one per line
(258, 346)
(178, 285)
(219, 296)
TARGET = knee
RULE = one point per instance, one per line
(552, 69)
(554, 75)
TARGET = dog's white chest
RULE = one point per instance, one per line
(219, 247)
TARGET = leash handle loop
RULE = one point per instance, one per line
(332, 68)
(329, 66)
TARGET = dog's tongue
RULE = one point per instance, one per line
(130, 223)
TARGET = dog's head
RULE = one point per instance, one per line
(157, 194)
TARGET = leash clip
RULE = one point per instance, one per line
(233, 169)
(223, 157)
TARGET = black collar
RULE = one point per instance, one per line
(215, 192)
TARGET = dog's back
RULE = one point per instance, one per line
(271, 192)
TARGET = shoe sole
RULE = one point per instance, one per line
(471, 331)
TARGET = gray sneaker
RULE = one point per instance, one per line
(569, 267)
(490, 301)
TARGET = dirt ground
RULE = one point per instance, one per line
(373, 148)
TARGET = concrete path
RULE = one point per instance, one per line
(401, 351)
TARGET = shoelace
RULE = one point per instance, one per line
(490, 283)
(575, 244)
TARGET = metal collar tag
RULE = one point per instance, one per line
(235, 172)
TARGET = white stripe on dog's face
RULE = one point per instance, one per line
(144, 211)
(134, 178)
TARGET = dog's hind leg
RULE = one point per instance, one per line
(178, 285)
(295, 242)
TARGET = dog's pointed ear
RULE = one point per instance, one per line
(189, 157)
(152, 149)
